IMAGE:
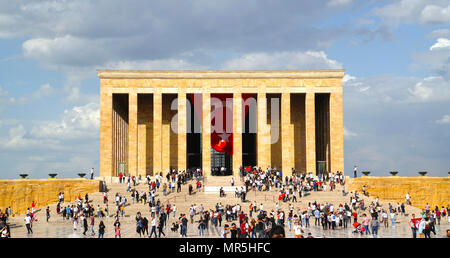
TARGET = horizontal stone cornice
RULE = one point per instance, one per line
(229, 74)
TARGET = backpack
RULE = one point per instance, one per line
(427, 226)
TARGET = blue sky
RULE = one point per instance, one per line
(396, 55)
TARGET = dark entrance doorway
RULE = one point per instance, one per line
(249, 131)
(221, 164)
(193, 134)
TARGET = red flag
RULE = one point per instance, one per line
(221, 139)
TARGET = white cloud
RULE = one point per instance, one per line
(396, 89)
(19, 140)
(347, 78)
(79, 33)
(349, 134)
(415, 11)
(3, 93)
(435, 14)
(40, 158)
(161, 64)
(440, 33)
(283, 60)
(339, 2)
(44, 91)
(66, 51)
(441, 43)
(436, 60)
(387, 88)
(444, 120)
(80, 122)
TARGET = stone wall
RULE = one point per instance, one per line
(423, 190)
(19, 193)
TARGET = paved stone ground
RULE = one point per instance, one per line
(57, 227)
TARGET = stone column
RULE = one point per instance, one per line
(206, 133)
(182, 148)
(336, 132)
(132, 133)
(310, 132)
(106, 133)
(263, 135)
(237, 133)
(157, 131)
(287, 135)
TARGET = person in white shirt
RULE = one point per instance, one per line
(393, 219)
(225, 231)
(3, 231)
(298, 230)
(28, 224)
(75, 222)
(153, 224)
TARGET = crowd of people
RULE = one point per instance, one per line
(230, 219)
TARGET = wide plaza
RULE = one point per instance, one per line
(57, 227)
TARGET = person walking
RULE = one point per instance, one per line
(145, 226)
(184, 222)
(366, 222)
(160, 229)
(421, 228)
(201, 226)
(47, 212)
(374, 225)
(427, 228)
(92, 222)
(117, 229)
(413, 225)
(28, 224)
(392, 219)
(139, 226)
(153, 224)
(75, 222)
(408, 199)
(85, 224)
(101, 229)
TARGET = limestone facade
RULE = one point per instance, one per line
(147, 144)
(423, 189)
(20, 193)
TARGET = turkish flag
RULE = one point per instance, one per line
(221, 138)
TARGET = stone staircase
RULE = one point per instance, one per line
(214, 183)
(183, 201)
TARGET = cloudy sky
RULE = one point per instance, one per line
(396, 55)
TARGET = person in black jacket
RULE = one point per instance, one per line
(85, 225)
(101, 229)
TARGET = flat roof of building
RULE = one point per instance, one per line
(219, 74)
